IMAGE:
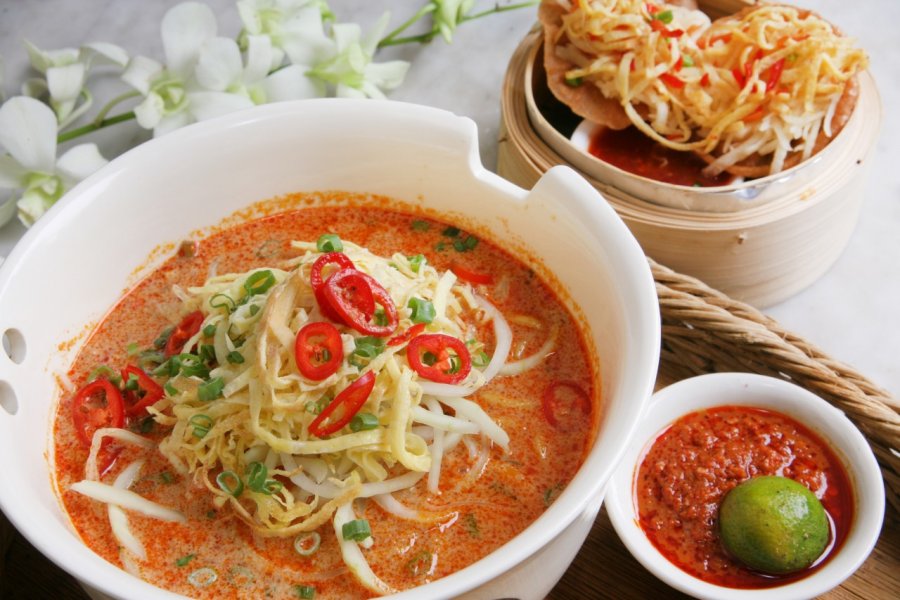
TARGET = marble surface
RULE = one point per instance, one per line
(851, 312)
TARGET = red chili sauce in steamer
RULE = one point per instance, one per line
(634, 152)
(696, 461)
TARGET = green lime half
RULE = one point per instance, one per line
(773, 524)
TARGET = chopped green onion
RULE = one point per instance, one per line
(160, 342)
(429, 358)
(171, 390)
(440, 246)
(223, 301)
(315, 407)
(472, 525)
(256, 476)
(202, 424)
(146, 425)
(167, 477)
(481, 359)
(209, 330)
(687, 61)
(211, 390)
(380, 318)
(664, 16)
(272, 486)
(259, 282)
(104, 371)
(465, 245)
(306, 592)
(451, 232)
(230, 483)
(421, 225)
(363, 422)
(132, 349)
(454, 365)
(235, 357)
(329, 242)
(551, 493)
(367, 347)
(422, 310)
(207, 353)
(574, 81)
(356, 530)
(415, 262)
(184, 560)
(150, 357)
(306, 544)
(254, 308)
(132, 384)
(192, 365)
(211, 514)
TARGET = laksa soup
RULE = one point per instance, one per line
(325, 403)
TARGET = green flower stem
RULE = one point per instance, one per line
(392, 40)
(109, 105)
(92, 127)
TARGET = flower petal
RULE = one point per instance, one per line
(370, 43)
(34, 87)
(172, 122)
(12, 173)
(149, 112)
(104, 53)
(259, 58)
(303, 38)
(345, 91)
(7, 212)
(207, 105)
(32, 206)
(42, 60)
(140, 73)
(249, 13)
(185, 27)
(345, 35)
(291, 83)
(219, 64)
(79, 162)
(2, 78)
(28, 132)
(65, 83)
(387, 75)
(76, 110)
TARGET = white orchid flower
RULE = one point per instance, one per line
(65, 72)
(2, 75)
(448, 15)
(221, 69)
(352, 70)
(28, 130)
(294, 27)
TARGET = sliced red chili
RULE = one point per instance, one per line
(430, 356)
(471, 276)
(316, 279)
(775, 74)
(704, 81)
(559, 402)
(318, 350)
(679, 64)
(671, 81)
(407, 335)
(739, 77)
(658, 26)
(353, 295)
(344, 406)
(147, 394)
(95, 406)
(185, 330)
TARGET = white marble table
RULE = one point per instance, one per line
(851, 313)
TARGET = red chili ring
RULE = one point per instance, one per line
(318, 350)
(438, 344)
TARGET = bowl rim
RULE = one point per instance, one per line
(584, 488)
(749, 389)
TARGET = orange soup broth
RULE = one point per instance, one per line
(476, 511)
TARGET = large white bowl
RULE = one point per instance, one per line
(71, 267)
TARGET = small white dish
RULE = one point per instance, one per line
(744, 389)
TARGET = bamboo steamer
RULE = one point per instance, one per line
(761, 254)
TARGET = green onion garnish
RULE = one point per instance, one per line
(415, 262)
(429, 358)
(149, 358)
(192, 365)
(465, 245)
(207, 353)
(167, 477)
(687, 61)
(254, 308)
(367, 347)
(481, 359)
(664, 16)
(363, 422)
(256, 476)
(450, 231)
(104, 371)
(230, 483)
(421, 225)
(132, 349)
(146, 425)
(202, 424)
(551, 493)
(209, 330)
(380, 317)
(223, 301)
(306, 544)
(160, 342)
(315, 407)
(171, 390)
(211, 390)
(329, 242)
(235, 357)
(132, 384)
(259, 282)
(356, 530)
(472, 525)
(574, 81)
(306, 592)
(422, 310)
(184, 560)
(440, 246)
(211, 514)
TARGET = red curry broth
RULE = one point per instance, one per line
(480, 511)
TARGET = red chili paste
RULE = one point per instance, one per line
(632, 151)
(690, 467)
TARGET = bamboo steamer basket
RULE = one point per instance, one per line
(761, 254)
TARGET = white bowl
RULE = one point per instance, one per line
(744, 389)
(73, 265)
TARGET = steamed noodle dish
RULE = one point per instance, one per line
(326, 403)
(751, 94)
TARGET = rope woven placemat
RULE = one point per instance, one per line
(705, 331)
